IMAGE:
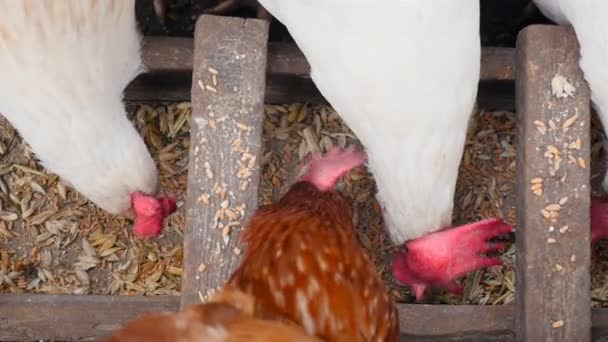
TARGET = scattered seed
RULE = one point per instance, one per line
(552, 149)
(581, 163)
(540, 126)
(208, 171)
(569, 121)
(552, 124)
(558, 324)
(204, 198)
(242, 126)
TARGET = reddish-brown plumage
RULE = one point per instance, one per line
(303, 263)
(227, 317)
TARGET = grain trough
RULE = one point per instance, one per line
(230, 68)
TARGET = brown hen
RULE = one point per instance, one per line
(304, 263)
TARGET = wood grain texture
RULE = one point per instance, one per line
(169, 76)
(27, 317)
(552, 262)
(68, 317)
(227, 114)
(176, 53)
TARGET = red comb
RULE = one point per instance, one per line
(150, 213)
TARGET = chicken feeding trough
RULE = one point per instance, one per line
(231, 71)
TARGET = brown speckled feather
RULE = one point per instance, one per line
(226, 318)
(303, 263)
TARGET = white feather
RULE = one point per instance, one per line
(64, 66)
(588, 17)
(403, 74)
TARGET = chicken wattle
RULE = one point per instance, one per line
(404, 79)
(150, 213)
(64, 66)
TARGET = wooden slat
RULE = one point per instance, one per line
(34, 317)
(460, 322)
(169, 62)
(236, 49)
(497, 64)
(175, 54)
(168, 54)
(553, 278)
(68, 317)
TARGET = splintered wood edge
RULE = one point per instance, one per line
(553, 238)
(225, 150)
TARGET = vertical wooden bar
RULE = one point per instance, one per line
(553, 231)
(228, 85)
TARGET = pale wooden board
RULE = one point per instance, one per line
(553, 279)
(236, 49)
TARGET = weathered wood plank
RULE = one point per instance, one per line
(175, 54)
(33, 317)
(230, 64)
(552, 264)
(169, 77)
(434, 321)
(68, 317)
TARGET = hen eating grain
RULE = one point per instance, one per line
(405, 81)
(303, 261)
(65, 64)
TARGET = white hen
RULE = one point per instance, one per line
(64, 66)
(404, 79)
(587, 17)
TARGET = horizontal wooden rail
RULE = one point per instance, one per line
(170, 54)
(169, 76)
(72, 317)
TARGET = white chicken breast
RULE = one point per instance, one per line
(403, 75)
(64, 66)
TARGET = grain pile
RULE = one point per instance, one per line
(54, 241)
(484, 189)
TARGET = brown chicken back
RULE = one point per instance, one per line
(304, 263)
(227, 318)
